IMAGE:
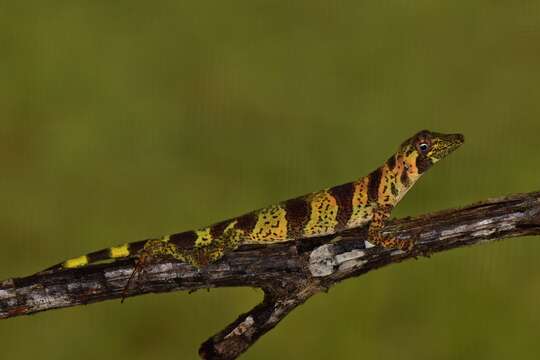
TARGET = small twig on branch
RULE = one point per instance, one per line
(289, 273)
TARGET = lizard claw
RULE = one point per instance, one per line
(405, 245)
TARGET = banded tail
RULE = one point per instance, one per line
(369, 199)
(109, 254)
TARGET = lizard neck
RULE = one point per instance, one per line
(398, 174)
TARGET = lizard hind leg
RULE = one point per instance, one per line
(153, 249)
(193, 252)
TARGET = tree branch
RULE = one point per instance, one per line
(289, 273)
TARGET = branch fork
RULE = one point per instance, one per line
(289, 273)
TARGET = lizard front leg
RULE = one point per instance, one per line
(381, 213)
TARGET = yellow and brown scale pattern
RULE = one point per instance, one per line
(369, 199)
(321, 213)
(317, 214)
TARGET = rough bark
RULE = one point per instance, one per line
(289, 273)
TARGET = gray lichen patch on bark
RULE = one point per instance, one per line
(289, 273)
(322, 261)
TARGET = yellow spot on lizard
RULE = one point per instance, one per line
(203, 237)
(271, 225)
(324, 209)
(76, 262)
(361, 212)
(119, 251)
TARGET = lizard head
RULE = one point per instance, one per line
(425, 148)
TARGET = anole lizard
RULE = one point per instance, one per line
(368, 200)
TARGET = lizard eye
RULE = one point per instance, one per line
(424, 147)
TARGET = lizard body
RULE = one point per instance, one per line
(369, 199)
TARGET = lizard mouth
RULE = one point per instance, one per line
(455, 141)
(447, 144)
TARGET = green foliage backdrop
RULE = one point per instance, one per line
(129, 119)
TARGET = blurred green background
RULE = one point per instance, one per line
(124, 120)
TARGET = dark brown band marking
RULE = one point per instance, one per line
(217, 230)
(423, 163)
(343, 195)
(246, 222)
(99, 255)
(183, 240)
(297, 214)
(135, 247)
(404, 178)
(393, 188)
(391, 162)
(373, 185)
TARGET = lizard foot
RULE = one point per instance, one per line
(394, 243)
